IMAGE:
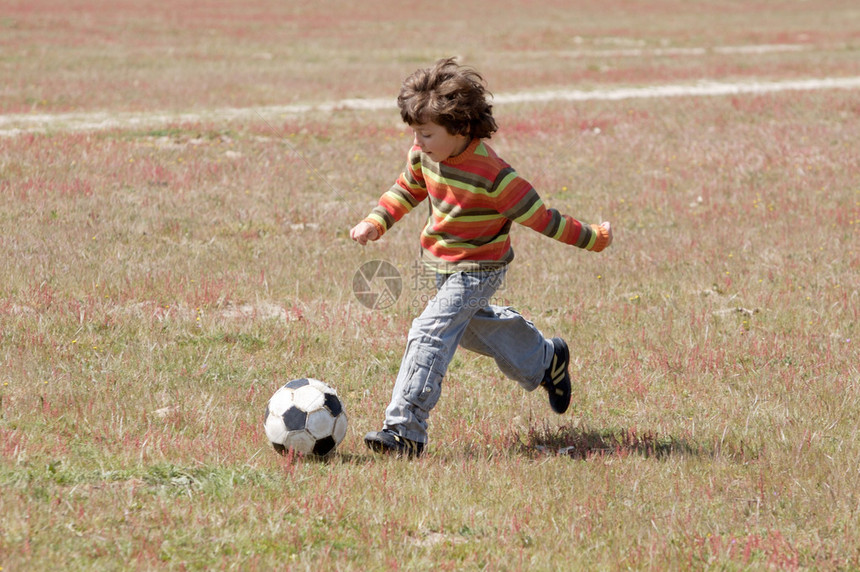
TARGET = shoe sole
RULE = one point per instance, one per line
(558, 373)
(378, 445)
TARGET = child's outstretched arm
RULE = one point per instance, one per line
(520, 203)
(400, 199)
(566, 229)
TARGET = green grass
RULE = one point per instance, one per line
(159, 283)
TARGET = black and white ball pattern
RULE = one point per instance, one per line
(307, 416)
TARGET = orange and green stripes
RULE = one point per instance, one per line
(474, 198)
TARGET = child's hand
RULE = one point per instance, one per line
(362, 232)
(604, 236)
(605, 224)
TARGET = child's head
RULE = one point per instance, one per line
(449, 95)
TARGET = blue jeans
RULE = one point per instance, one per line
(460, 314)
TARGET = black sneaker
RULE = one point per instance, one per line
(388, 441)
(556, 379)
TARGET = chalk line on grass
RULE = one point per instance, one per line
(637, 52)
(695, 90)
(15, 124)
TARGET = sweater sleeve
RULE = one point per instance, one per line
(409, 190)
(519, 202)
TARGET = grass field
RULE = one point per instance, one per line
(159, 282)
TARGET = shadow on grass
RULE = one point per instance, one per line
(289, 459)
(584, 443)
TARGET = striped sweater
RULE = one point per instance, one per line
(474, 198)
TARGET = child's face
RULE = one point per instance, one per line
(437, 143)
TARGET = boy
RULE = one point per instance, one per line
(474, 197)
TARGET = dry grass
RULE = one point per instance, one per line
(184, 55)
(159, 284)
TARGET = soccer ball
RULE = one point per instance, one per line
(306, 416)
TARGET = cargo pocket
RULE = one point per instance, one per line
(425, 381)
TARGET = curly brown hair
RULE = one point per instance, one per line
(449, 95)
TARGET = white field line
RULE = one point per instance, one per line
(15, 124)
(705, 88)
(757, 49)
